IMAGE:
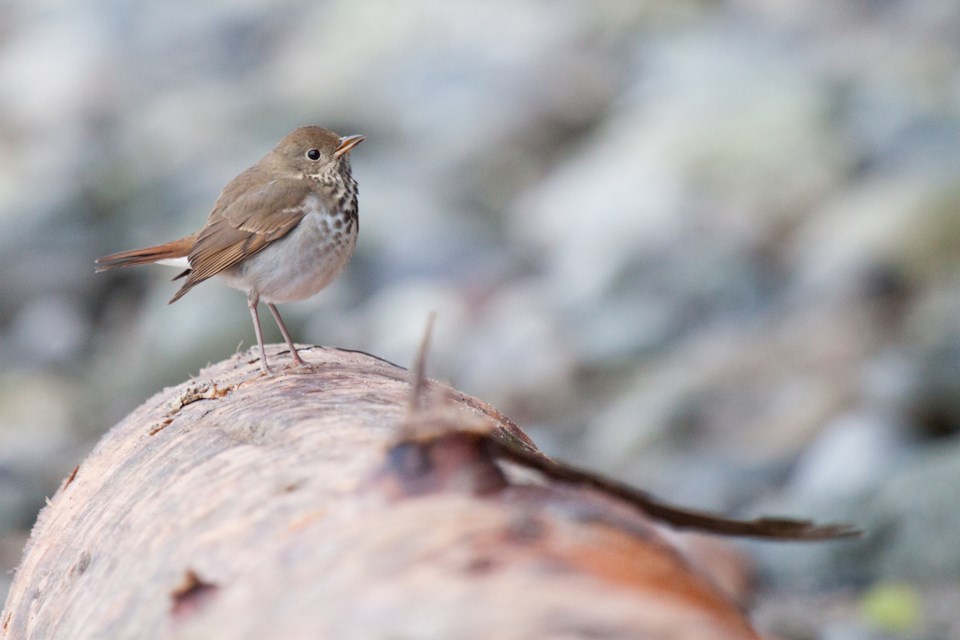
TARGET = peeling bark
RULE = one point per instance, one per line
(312, 504)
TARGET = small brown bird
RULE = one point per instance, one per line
(280, 231)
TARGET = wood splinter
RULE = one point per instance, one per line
(427, 431)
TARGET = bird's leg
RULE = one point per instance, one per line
(286, 336)
(252, 300)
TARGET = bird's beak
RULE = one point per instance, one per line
(347, 143)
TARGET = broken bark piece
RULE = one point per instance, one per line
(314, 504)
(191, 594)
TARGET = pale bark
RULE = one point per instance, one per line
(243, 506)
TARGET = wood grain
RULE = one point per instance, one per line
(238, 505)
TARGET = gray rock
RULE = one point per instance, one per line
(906, 518)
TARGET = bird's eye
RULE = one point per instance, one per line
(313, 154)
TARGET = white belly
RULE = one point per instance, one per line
(301, 263)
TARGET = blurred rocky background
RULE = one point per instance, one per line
(711, 248)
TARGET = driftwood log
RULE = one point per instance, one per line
(319, 504)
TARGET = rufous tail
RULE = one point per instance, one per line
(176, 249)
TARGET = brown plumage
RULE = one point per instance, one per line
(169, 251)
(279, 231)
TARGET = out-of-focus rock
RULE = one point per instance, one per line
(36, 447)
(50, 329)
(903, 516)
(907, 515)
(852, 454)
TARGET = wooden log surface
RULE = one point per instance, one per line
(238, 505)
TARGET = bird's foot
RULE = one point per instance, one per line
(301, 365)
(265, 369)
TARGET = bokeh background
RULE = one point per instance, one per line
(711, 248)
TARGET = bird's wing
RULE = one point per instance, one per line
(244, 225)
